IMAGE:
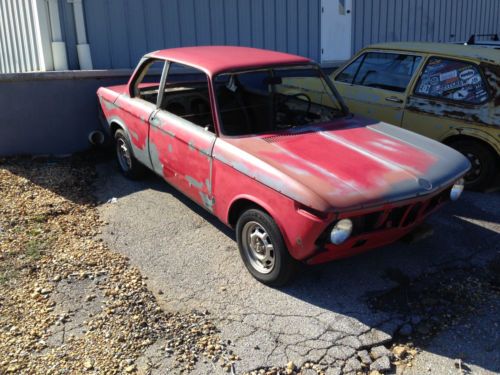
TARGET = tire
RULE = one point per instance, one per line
(483, 162)
(267, 259)
(129, 166)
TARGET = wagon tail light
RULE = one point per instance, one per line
(457, 190)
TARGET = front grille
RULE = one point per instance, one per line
(396, 217)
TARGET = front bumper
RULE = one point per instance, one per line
(379, 227)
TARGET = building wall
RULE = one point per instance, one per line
(121, 31)
(20, 44)
(422, 20)
(51, 112)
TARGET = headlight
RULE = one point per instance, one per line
(457, 189)
(341, 231)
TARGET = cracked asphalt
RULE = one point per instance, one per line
(192, 262)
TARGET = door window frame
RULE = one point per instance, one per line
(139, 74)
(451, 101)
(163, 83)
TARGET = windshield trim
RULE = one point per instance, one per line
(334, 94)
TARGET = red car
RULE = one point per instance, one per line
(263, 141)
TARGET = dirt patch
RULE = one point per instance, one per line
(68, 303)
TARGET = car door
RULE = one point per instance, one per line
(138, 106)
(448, 95)
(375, 84)
(182, 134)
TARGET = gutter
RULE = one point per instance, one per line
(60, 58)
(82, 46)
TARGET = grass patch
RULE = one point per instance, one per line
(34, 249)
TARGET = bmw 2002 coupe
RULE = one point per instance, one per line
(301, 179)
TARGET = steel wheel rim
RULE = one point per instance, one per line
(123, 154)
(258, 247)
(475, 171)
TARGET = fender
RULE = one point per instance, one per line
(473, 133)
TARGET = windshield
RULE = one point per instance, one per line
(272, 99)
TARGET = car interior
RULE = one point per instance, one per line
(249, 102)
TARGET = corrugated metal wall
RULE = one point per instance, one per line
(121, 31)
(19, 47)
(422, 20)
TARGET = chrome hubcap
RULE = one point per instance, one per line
(123, 154)
(258, 247)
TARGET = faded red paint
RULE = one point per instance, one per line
(217, 59)
(305, 179)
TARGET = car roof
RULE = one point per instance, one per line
(456, 50)
(217, 59)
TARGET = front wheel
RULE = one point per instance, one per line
(263, 249)
(483, 163)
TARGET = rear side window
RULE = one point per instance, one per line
(388, 71)
(453, 80)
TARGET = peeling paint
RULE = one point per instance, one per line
(192, 181)
(207, 202)
(109, 105)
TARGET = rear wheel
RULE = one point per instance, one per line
(263, 249)
(483, 162)
(128, 164)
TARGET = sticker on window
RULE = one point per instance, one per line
(454, 80)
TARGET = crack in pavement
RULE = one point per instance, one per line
(325, 314)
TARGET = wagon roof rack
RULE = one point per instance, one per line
(492, 37)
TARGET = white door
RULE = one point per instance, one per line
(336, 32)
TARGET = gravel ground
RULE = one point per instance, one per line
(175, 297)
(68, 303)
(344, 317)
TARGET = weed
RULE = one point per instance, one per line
(34, 249)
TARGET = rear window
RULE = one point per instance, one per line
(453, 80)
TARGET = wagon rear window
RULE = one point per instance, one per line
(453, 80)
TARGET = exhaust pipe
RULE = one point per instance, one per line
(96, 138)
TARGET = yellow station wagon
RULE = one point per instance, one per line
(447, 92)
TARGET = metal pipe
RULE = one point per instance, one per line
(82, 47)
(58, 46)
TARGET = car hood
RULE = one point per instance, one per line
(351, 163)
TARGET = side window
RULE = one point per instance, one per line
(452, 79)
(388, 71)
(147, 83)
(186, 95)
(347, 75)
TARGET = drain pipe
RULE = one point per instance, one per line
(58, 46)
(82, 47)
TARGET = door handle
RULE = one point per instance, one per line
(394, 99)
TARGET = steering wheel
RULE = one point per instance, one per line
(286, 98)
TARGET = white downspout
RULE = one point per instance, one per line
(58, 46)
(82, 47)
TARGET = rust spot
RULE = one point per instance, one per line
(492, 73)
